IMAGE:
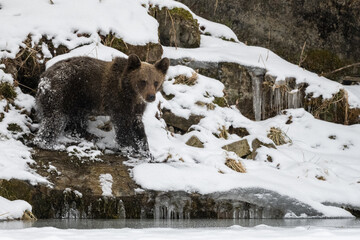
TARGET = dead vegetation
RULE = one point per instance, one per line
(223, 133)
(28, 216)
(183, 79)
(278, 136)
(7, 91)
(335, 109)
(235, 165)
(209, 106)
(29, 63)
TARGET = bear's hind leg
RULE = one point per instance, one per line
(52, 125)
(77, 124)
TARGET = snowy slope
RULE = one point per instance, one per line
(295, 168)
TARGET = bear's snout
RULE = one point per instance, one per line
(150, 98)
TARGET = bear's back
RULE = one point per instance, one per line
(76, 82)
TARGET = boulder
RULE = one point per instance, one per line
(241, 148)
(150, 52)
(180, 123)
(177, 27)
(255, 144)
(194, 141)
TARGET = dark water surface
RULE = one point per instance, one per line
(194, 223)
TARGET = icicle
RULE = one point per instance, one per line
(256, 84)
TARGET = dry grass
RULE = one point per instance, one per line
(190, 81)
(326, 105)
(209, 106)
(223, 133)
(278, 136)
(235, 165)
(28, 216)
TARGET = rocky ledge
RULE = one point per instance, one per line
(77, 190)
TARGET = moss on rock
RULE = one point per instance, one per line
(13, 127)
(177, 27)
(7, 91)
(150, 52)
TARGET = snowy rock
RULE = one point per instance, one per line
(177, 27)
(241, 148)
(150, 52)
(259, 95)
(194, 141)
(180, 123)
(255, 144)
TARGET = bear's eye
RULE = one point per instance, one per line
(156, 84)
(143, 83)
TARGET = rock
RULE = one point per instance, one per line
(76, 193)
(240, 131)
(177, 27)
(180, 123)
(194, 141)
(221, 102)
(241, 148)
(151, 52)
(255, 144)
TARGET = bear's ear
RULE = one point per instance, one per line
(163, 65)
(134, 62)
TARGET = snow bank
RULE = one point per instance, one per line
(234, 232)
(216, 50)
(12, 209)
(66, 21)
(319, 150)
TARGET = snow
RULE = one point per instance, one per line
(234, 232)
(66, 20)
(12, 209)
(106, 181)
(94, 50)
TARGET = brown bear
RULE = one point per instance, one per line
(72, 89)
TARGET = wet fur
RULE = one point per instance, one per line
(75, 88)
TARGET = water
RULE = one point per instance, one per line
(191, 223)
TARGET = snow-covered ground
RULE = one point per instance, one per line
(12, 209)
(234, 232)
(322, 164)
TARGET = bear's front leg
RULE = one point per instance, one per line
(140, 137)
(130, 136)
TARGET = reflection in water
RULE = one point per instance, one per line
(191, 223)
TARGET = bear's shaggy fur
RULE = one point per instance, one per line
(73, 89)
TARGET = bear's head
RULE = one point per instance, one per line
(146, 79)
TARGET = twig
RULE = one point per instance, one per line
(302, 59)
(346, 117)
(17, 82)
(173, 27)
(342, 68)
(216, 5)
